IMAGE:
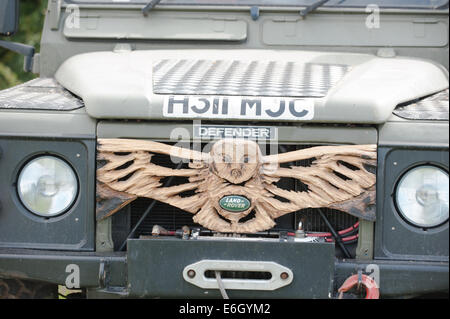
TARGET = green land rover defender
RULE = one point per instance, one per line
(228, 148)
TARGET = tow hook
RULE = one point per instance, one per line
(360, 280)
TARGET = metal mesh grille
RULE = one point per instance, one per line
(312, 222)
(434, 107)
(39, 94)
(173, 218)
(169, 217)
(245, 78)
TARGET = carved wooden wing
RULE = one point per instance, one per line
(126, 171)
(339, 177)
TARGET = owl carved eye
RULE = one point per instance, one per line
(227, 159)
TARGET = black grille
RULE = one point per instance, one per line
(312, 221)
(173, 218)
(169, 217)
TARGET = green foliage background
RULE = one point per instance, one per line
(32, 13)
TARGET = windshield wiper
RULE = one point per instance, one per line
(312, 7)
(150, 6)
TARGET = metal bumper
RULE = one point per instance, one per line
(95, 270)
(119, 275)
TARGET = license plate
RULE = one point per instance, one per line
(238, 107)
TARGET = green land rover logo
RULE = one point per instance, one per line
(234, 203)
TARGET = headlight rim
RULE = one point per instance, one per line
(19, 171)
(395, 188)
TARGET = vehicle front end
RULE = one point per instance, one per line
(242, 151)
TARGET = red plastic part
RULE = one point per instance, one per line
(372, 290)
(341, 232)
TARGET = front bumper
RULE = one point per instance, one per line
(137, 274)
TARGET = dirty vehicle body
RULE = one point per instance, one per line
(351, 111)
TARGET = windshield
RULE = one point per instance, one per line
(413, 4)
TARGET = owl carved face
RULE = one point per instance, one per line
(236, 161)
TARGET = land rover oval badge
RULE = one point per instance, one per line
(234, 203)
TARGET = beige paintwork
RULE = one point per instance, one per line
(118, 85)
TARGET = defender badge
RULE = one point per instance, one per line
(234, 180)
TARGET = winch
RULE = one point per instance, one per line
(186, 233)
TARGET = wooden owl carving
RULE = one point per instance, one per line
(234, 179)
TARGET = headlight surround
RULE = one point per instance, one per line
(422, 196)
(47, 186)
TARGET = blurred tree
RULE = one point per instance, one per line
(32, 13)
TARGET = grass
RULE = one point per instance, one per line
(63, 292)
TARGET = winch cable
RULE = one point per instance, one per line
(147, 211)
(223, 292)
(336, 236)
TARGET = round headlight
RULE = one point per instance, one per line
(47, 186)
(422, 196)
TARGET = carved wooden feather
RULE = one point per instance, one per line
(339, 177)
